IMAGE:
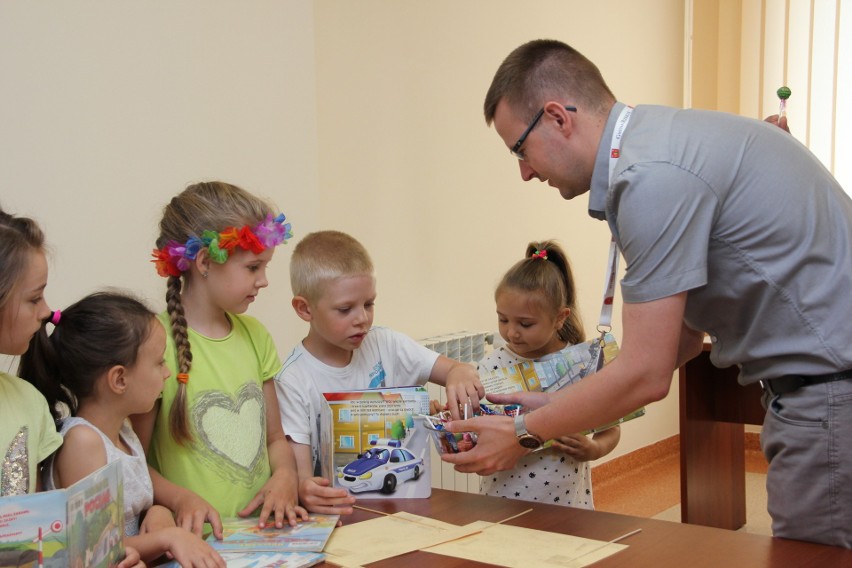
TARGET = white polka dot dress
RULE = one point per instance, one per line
(546, 476)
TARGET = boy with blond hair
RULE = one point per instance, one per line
(334, 290)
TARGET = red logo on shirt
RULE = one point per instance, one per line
(614, 153)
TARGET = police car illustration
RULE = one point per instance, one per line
(380, 468)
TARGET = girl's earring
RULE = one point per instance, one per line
(204, 274)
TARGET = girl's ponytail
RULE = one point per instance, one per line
(42, 366)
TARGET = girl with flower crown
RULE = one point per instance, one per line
(537, 316)
(216, 431)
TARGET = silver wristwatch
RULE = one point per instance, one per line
(525, 439)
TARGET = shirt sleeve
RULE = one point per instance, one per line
(664, 216)
(293, 406)
(415, 361)
(267, 354)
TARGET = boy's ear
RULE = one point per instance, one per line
(117, 379)
(302, 307)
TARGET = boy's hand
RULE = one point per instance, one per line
(279, 497)
(463, 388)
(317, 496)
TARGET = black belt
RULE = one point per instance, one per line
(789, 383)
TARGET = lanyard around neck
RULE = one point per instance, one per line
(605, 322)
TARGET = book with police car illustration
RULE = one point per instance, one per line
(244, 535)
(82, 525)
(555, 371)
(374, 444)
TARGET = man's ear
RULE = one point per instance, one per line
(303, 308)
(563, 118)
(117, 379)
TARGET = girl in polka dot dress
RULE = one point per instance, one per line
(537, 316)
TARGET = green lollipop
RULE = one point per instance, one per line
(783, 94)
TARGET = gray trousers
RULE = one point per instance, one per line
(807, 439)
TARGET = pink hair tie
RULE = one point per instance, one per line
(55, 317)
(542, 254)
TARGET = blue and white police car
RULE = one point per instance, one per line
(380, 468)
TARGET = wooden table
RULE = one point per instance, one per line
(660, 544)
(713, 409)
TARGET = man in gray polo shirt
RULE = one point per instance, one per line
(729, 227)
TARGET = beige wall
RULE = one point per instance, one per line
(362, 116)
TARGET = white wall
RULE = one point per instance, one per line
(109, 108)
(362, 116)
(408, 166)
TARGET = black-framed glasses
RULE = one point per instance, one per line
(516, 149)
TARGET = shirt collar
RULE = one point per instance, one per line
(600, 175)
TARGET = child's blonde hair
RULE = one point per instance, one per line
(206, 206)
(324, 256)
(546, 273)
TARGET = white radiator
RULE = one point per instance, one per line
(467, 347)
(464, 346)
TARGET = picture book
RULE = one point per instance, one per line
(555, 371)
(266, 560)
(374, 443)
(243, 535)
(82, 525)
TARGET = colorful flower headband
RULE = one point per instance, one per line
(175, 258)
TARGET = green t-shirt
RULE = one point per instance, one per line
(227, 461)
(27, 435)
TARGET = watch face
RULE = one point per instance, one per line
(528, 441)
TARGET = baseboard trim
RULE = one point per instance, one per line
(630, 462)
(666, 449)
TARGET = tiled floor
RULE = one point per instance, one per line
(652, 489)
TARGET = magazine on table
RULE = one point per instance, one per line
(244, 535)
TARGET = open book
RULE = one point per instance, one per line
(374, 444)
(243, 535)
(555, 371)
(82, 525)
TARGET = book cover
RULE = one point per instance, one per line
(555, 371)
(243, 535)
(82, 525)
(374, 444)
